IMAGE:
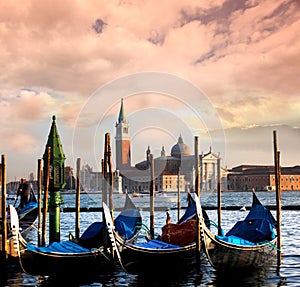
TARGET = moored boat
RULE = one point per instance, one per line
(160, 255)
(26, 216)
(250, 244)
(88, 256)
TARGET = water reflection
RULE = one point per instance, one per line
(245, 279)
(204, 277)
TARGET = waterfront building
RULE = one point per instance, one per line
(91, 180)
(69, 178)
(260, 177)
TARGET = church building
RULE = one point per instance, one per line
(170, 170)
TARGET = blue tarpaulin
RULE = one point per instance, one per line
(125, 225)
(257, 227)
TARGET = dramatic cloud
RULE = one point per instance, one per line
(244, 55)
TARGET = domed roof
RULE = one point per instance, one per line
(180, 149)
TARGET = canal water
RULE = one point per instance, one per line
(288, 274)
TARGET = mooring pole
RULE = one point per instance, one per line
(152, 187)
(106, 175)
(39, 179)
(201, 171)
(46, 194)
(104, 186)
(178, 194)
(197, 170)
(197, 191)
(219, 192)
(111, 176)
(77, 220)
(278, 197)
(104, 192)
(3, 211)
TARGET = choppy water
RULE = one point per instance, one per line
(287, 275)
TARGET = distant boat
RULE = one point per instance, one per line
(158, 197)
(91, 191)
(250, 244)
(73, 191)
(243, 208)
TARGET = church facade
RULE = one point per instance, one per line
(172, 172)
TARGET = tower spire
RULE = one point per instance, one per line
(122, 116)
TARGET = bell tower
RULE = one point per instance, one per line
(123, 154)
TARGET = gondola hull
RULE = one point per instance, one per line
(156, 256)
(140, 260)
(57, 264)
(225, 256)
(250, 244)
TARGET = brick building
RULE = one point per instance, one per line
(246, 177)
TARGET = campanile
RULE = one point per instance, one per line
(123, 157)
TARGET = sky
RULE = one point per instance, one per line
(226, 71)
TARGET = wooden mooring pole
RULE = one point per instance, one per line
(3, 211)
(107, 171)
(77, 219)
(197, 191)
(108, 178)
(39, 178)
(278, 197)
(111, 176)
(45, 201)
(152, 187)
(197, 170)
(104, 199)
(219, 193)
(178, 194)
(103, 181)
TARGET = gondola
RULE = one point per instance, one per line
(87, 256)
(160, 255)
(26, 217)
(250, 244)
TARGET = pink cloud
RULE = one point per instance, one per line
(244, 55)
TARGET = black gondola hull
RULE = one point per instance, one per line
(230, 257)
(166, 261)
(61, 265)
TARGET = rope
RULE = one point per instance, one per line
(100, 251)
(214, 224)
(273, 246)
(145, 228)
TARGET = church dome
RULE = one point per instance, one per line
(180, 149)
